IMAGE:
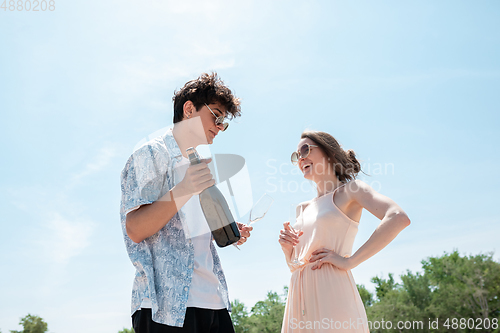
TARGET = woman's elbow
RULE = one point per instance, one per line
(403, 219)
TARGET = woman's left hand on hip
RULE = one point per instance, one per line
(327, 256)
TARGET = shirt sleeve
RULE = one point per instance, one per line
(143, 178)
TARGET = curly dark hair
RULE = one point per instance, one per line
(344, 162)
(207, 88)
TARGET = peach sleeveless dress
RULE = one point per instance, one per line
(326, 299)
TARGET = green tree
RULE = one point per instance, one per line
(127, 330)
(451, 286)
(366, 296)
(239, 316)
(382, 287)
(265, 316)
(32, 324)
(400, 302)
(464, 286)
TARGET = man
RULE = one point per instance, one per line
(179, 284)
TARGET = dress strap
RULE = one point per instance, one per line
(339, 187)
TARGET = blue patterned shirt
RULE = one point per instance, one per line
(164, 262)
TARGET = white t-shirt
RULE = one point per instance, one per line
(204, 290)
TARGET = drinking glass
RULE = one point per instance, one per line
(295, 217)
(259, 210)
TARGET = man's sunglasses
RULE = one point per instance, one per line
(219, 120)
(303, 152)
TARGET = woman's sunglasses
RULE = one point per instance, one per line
(218, 120)
(303, 152)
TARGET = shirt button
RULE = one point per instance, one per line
(190, 266)
(185, 288)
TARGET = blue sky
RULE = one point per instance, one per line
(408, 85)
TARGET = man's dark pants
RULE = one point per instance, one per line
(197, 321)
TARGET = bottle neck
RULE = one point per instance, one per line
(194, 157)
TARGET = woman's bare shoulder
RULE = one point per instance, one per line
(357, 187)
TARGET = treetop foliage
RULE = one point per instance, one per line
(32, 324)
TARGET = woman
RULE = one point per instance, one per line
(322, 296)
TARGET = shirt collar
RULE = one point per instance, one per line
(174, 149)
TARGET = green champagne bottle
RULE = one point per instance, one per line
(216, 210)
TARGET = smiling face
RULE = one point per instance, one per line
(314, 166)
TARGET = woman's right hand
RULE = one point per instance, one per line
(289, 237)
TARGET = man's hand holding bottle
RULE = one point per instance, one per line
(197, 178)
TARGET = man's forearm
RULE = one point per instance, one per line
(147, 220)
